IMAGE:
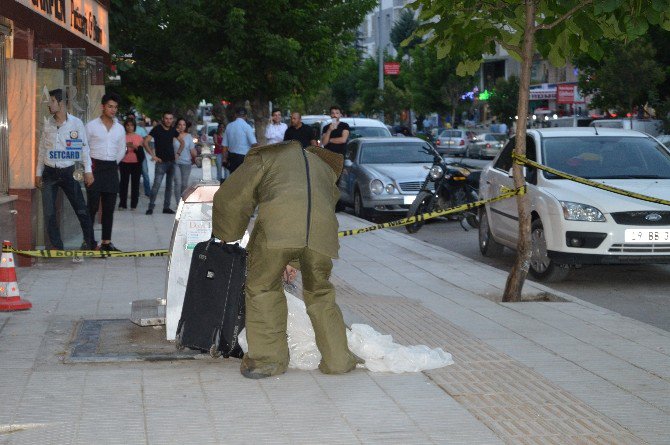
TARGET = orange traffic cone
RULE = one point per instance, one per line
(9, 288)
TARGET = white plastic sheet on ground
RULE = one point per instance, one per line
(378, 350)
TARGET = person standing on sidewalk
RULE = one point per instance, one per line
(274, 132)
(184, 149)
(299, 132)
(164, 156)
(336, 134)
(63, 141)
(107, 140)
(221, 155)
(238, 139)
(295, 192)
(130, 167)
(139, 129)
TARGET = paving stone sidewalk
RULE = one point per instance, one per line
(524, 373)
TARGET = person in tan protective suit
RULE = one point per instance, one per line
(295, 191)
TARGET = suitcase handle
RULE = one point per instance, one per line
(228, 246)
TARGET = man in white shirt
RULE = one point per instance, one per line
(274, 133)
(107, 141)
(62, 143)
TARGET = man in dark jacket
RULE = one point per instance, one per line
(295, 191)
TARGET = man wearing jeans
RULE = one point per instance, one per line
(63, 142)
(165, 157)
(238, 139)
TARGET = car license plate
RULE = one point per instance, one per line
(408, 199)
(647, 235)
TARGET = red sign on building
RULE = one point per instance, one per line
(565, 94)
(391, 68)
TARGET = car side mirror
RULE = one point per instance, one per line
(348, 163)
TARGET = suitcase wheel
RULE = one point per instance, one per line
(178, 337)
(214, 351)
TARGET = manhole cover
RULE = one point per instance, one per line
(119, 340)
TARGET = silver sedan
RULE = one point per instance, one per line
(383, 175)
(485, 145)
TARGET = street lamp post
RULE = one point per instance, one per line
(380, 57)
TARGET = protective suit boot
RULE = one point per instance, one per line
(254, 370)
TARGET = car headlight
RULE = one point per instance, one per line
(436, 172)
(376, 186)
(390, 188)
(575, 211)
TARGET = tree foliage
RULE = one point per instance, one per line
(626, 76)
(256, 50)
(557, 30)
(434, 84)
(504, 99)
(402, 33)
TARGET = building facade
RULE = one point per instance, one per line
(44, 45)
(373, 29)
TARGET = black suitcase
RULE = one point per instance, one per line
(212, 315)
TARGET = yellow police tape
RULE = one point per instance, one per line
(163, 252)
(85, 253)
(412, 219)
(598, 185)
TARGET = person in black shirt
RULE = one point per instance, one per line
(336, 134)
(299, 132)
(165, 157)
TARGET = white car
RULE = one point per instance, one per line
(360, 127)
(572, 223)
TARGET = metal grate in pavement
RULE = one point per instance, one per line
(511, 399)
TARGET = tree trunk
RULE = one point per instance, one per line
(519, 270)
(261, 118)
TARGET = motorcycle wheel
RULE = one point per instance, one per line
(423, 203)
(472, 216)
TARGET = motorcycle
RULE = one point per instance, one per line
(453, 184)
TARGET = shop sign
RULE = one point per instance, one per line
(548, 94)
(391, 68)
(565, 94)
(568, 94)
(85, 18)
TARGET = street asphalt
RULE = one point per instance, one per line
(553, 372)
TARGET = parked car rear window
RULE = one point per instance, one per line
(368, 132)
(607, 157)
(408, 153)
(496, 137)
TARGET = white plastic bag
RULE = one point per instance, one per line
(378, 350)
(301, 340)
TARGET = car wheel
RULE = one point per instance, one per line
(541, 266)
(359, 210)
(489, 247)
(423, 203)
